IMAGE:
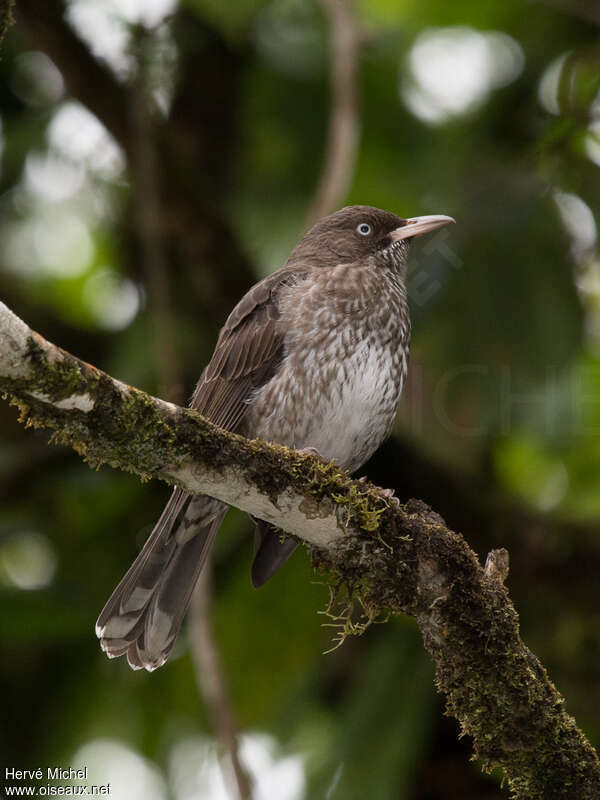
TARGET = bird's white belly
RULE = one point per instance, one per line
(349, 422)
(343, 410)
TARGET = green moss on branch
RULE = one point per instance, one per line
(493, 684)
(393, 559)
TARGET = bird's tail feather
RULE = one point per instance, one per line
(271, 551)
(144, 613)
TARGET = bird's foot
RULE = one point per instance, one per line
(311, 451)
(388, 494)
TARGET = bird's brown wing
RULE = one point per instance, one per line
(144, 613)
(247, 354)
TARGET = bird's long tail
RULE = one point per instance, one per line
(144, 613)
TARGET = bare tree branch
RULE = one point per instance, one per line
(389, 557)
(343, 134)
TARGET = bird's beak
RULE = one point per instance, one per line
(417, 226)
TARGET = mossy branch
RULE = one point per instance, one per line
(389, 558)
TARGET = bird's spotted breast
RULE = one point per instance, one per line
(346, 339)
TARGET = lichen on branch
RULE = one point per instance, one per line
(387, 557)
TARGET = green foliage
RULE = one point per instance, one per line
(504, 380)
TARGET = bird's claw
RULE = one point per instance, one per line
(311, 451)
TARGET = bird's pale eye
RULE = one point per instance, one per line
(364, 228)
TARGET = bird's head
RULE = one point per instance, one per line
(356, 233)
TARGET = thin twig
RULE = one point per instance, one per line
(205, 654)
(343, 133)
(148, 217)
(209, 677)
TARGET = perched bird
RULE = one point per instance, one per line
(313, 357)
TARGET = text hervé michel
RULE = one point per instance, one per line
(49, 773)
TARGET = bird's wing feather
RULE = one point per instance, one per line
(247, 354)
